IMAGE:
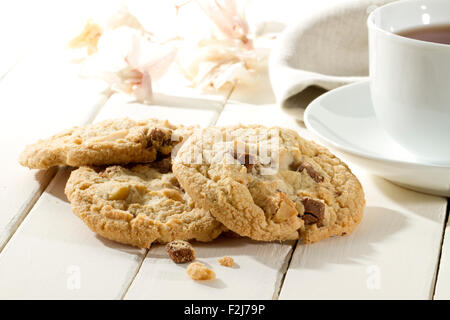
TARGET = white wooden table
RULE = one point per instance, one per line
(400, 250)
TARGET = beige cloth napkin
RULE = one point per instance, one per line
(321, 53)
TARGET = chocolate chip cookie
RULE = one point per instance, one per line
(119, 141)
(269, 183)
(138, 205)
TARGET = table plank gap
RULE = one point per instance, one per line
(48, 175)
(156, 261)
(8, 69)
(227, 97)
(253, 276)
(16, 220)
(53, 255)
(36, 84)
(438, 265)
(442, 280)
(284, 270)
(246, 106)
(50, 104)
(132, 275)
(398, 240)
(353, 261)
(51, 223)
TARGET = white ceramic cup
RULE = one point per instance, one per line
(410, 79)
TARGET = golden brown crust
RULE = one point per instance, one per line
(119, 141)
(302, 191)
(137, 206)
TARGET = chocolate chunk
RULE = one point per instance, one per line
(314, 211)
(180, 251)
(163, 165)
(317, 177)
(246, 160)
(309, 219)
(157, 134)
(153, 136)
(157, 137)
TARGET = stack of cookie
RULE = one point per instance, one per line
(144, 181)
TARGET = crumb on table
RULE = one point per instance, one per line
(198, 271)
(180, 251)
(226, 261)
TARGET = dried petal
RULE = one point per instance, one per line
(87, 38)
(226, 17)
(213, 63)
(123, 18)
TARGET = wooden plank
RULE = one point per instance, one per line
(17, 41)
(398, 240)
(255, 276)
(28, 27)
(37, 104)
(253, 280)
(53, 255)
(58, 246)
(393, 254)
(44, 90)
(178, 110)
(156, 268)
(442, 291)
(251, 106)
(260, 265)
(257, 105)
(40, 95)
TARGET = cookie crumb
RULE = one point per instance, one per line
(226, 261)
(180, 251)
(198, 271)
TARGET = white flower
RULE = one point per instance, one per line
(129, 62)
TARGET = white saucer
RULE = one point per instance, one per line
(344, 120)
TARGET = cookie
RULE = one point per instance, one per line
(269, 183)
(138, 205)
(119, 141)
